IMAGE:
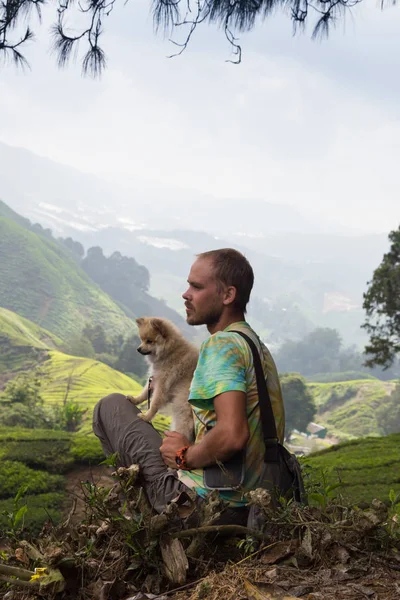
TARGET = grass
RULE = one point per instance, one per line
(368, 468)
(39, 281)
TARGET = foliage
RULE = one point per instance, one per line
(96, 336)
(299, 402)
(382, 306)
(78, 345)
(318, 352)
(54, 456)
(69, 416)
(118, 272)
(14, 474)
(25, 389)
(120, 546)
(15, 517)
(167, 14)
(39, 509)
(13, 415)
(86, 449)
(129, 360)
(116, 351)
(76, 248)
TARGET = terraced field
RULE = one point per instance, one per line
(347, 409)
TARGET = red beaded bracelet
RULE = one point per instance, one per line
(180, 458)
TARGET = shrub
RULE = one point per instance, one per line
(14, 474)
(52, 455)
(17, 414)
(41, 508)
(86, 449)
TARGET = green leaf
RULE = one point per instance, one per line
(319, 498)
(20, 515)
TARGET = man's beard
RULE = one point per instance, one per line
(210, 318)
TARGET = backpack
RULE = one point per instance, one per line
(281, 475)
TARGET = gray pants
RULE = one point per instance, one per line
(116, 424)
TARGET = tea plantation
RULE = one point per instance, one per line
(367, 468)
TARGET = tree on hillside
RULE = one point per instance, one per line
(129, 359)
(21, 403)
(118, 275)
(382, 306)
(317, 352)
(299, 403)
(97, 337)
(74, 247)
(388, 413)
(231, 15)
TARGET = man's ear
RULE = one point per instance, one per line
(160, 326)
(230, 295)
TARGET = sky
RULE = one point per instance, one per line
(312, 124)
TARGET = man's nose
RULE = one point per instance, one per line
(185, 295)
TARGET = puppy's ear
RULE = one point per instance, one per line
(160, 326)
(140, 321)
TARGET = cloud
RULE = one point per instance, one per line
(297, 122)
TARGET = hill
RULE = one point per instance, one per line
(22, 344)
(39, 281)
(348, 408)
(82, 380)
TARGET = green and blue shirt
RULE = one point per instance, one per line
(226, 364)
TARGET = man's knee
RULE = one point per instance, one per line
(114, 408)
(112, 399)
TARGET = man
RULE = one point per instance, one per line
(223, 395)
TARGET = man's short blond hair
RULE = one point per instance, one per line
(231, 267)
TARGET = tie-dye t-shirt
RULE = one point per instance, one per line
(226, 364)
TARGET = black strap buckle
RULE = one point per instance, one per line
(149, 392)
(271, 450)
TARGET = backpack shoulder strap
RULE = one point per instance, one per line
(267, 416)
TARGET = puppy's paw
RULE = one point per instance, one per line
(144, 417)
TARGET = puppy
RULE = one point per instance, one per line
(173, 361)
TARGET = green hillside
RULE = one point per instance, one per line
(85, 381)
(39, 281)
(367, 468)
(348, 409)
(22, 343)
(82, 380)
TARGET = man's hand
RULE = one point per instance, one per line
(172, 442)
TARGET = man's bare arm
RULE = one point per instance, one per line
(229, 435)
